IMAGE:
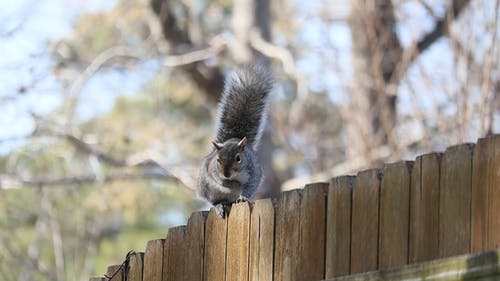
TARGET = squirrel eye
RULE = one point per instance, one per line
(237, 158)
(218, 160)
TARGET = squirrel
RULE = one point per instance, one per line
(231, 171)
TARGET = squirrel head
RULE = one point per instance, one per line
(231, 158)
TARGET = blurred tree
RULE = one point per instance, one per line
(380, 63)
(113, 164)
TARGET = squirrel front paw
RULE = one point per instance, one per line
(242, 199)
(222, 210)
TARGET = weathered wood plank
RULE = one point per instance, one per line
(338, 227)
(153, 260)
(115, 272)
(494, 193)
(97, 279)
(455, 200)
(215, 250)
(135, 266)
(286, 250)
(312, 232)
(480, 200)
(394, 215)
(365, 221)
(261, 241)
(195, 246)
(238, 242)
(424, 208)
(174, 253)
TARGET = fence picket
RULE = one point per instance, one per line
(394, 215)
(455, 200)
(286, 257)
(115, 272)
(480, 188)
(153, 260)
(424, 208)
(135, 266)
(312, 232)
(174, 253)
(494, 193)
(215, 255)
(195, 246)
(237, 242)
(338, 227)
(365, 221)
(261, 241)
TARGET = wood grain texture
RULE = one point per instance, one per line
(97, 279)
(424, 208)
(215, 248)
(261, 241)
(394, 215)
(455, 200)
(195, 246)
(480, 200)
(115, 272)
(135, 266)
(365, 221)
(338, 227)
(286, 250)
(153, 260)
(238, 242)
(494, 193)
(312, 232)
(174, 253)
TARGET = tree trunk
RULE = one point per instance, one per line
(376, 53)
(370, 117)
(248, 15)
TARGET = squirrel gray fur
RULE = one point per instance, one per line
(231, 172)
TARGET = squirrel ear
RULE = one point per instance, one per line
(217, 146)
(242, 143)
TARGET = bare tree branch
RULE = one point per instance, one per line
(87, 148)
(286, 58)
(209, 79)
(218, 44)
(140, 166)
(13, 181)
(95, 65)
(442, 26)
(487, 84)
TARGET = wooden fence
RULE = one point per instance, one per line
(440, 205)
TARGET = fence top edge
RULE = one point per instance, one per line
(405, 164)
(315, 185)
(459, 146)
(177, 228)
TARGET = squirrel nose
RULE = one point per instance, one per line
(227, 174)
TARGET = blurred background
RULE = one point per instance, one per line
(107, 107)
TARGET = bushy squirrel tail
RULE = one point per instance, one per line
(242, 110)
